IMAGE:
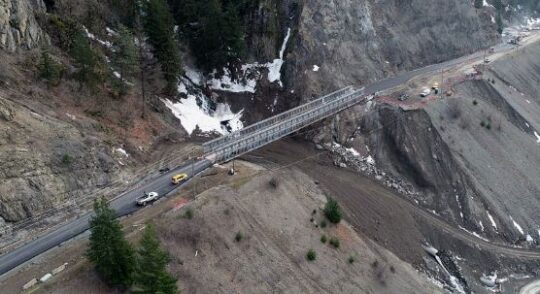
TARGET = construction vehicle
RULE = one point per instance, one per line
(177, 179)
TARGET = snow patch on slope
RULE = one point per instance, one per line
(517, 226)
(228, 84)
(93, 37)
(248, 75)
(492, 220)
(274, 67)
(194, 112)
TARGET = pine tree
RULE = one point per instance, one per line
(499, 21)
(478, 4)
(151, 275)
(126, 54)
(108, 250)
(234, 33)
(48, 69)
(125, 58)
(213, 29)
(86, 60)
(159, 26)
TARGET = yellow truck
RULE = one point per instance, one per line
(177, 179)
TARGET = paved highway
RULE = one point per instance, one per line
(125, 203)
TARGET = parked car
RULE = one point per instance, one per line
(164, 169)
(425, 92)
(147, 198)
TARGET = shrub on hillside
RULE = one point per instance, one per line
(332, 211)
(311, 255)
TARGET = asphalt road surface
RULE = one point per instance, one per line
(125, 203)
(532, 288)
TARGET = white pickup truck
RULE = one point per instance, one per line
(147, 198)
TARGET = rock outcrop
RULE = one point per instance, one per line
(45, 162)
(356, 42)
(18, 25)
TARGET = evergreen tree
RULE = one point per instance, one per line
(86, 61)
(108, 249)
(234, 33)
(125, 58)
(151, 275)
(499, 21)
(478, 4)
(126, 54)
(213, 29)
(332, 211)
(48, 69)
(159, 26)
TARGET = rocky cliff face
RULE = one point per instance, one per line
(18, 26)
(46, 162)
(357, 42)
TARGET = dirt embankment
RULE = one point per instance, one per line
(277, 233)
(403, 226)
(278, 227)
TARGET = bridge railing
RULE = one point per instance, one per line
(284, 128)
(216, 143)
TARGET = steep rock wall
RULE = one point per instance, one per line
(18, 26)
(357, 42)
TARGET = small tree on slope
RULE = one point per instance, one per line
(332, 211)
(151, 275)
(109, 251)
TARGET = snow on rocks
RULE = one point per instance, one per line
(94, 38)
(517, 226)
(489, 280)
(194, 76)
(351, 157)
(121, 151)
(71, 116)
(193, 112)
(110, 32)
(247, 75)
(474, 234)
(274, 68)
(227, 84)
(533, 23)
(492, 220)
